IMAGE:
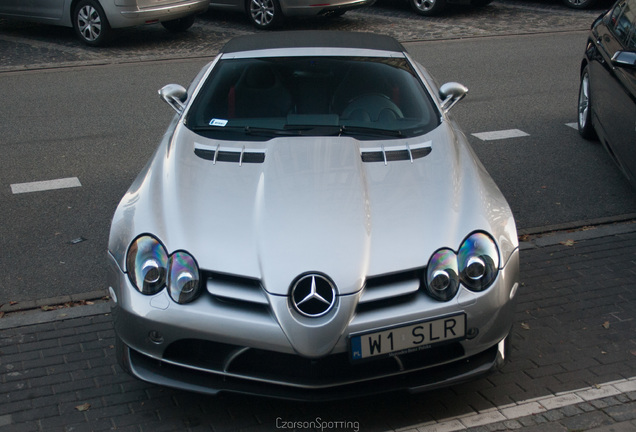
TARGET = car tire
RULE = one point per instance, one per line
(264, 14)
(586, 129)
(90, 23)
(480, 3)
(179, 25)
(579, 4)
(428, 7)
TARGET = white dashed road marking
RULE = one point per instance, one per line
(573, 125)
(39, 186)
(502, 134)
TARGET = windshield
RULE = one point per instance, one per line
(257, 99)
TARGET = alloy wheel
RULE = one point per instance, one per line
(586, 128)
(263, 12)
(424, 5)
(89, 23)
(579, 4)
(584, 101)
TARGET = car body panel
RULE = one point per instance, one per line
(120, 13)
(308, 205)
(613, 86)
(42, 9)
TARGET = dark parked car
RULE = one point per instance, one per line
(607, 95)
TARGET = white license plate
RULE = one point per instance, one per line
(408, 338)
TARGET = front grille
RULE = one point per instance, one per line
(381, 291)
(236, 289)
(378, 292)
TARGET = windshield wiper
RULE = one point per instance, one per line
(248, 130)
(361, 130)
(303, 130)
(337, 130)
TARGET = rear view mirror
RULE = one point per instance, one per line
(175, 95)
(451, 93)
(624, 58)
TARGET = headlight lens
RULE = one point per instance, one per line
(442, 280)
(478, 261)
(183, 277)
(147, 264)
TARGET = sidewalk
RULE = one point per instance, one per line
(573, 366)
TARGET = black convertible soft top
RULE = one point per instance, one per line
(313, 39)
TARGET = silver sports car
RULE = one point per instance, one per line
(313, 225)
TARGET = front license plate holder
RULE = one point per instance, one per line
(407, 338)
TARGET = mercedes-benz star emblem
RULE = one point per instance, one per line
(313, 295)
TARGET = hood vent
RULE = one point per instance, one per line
(239, 157)
(397, 153)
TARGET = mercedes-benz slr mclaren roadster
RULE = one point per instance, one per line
(313, 225)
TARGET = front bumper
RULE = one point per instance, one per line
(422, 377)
(129, 16)
(214, 345)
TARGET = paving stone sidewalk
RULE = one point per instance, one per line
(574, 336)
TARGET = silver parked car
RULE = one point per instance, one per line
(94, 19)
(312, 225)
(266, 14)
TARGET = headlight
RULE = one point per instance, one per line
(442, 280)
(147, 265)
(478, 261)
(183, 277)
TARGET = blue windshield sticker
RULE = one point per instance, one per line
(218, 122)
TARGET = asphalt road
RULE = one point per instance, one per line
(99, 123)
(530, 83)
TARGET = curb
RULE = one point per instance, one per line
(578, 232)
(68, 300)
(510, 413)
(37, 316)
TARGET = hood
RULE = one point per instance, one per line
(290, 206)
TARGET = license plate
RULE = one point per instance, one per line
(409, 338)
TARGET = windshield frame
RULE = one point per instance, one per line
(394, 72)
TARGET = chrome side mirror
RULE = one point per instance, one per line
(175, 95)
(451, 93)
(624, 58)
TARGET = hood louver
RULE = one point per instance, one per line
(239, 157)
(401, 153)
(405, 153)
